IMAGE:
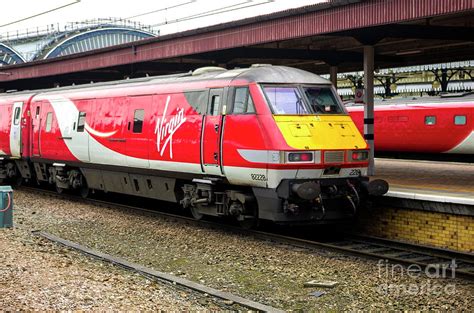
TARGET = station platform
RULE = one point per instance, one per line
(433, 181)
(428, 203)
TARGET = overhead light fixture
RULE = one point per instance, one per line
(319, 63)
(408, 52)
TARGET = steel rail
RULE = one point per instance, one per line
(148, 272)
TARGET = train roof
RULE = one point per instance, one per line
(446, 100)
(262, 73)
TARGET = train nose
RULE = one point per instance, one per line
(307, 190)
(377, 187)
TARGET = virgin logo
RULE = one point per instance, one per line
(165, 129)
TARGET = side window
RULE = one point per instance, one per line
(49, 121)
(430, 120)
(17, 114)
(240, 100)
(81, 121)
(215, 101)
(197, 99)
(250, 106)
(243, 101)
(460, 120)
(138, 118)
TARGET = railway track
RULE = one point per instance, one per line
(417, 257)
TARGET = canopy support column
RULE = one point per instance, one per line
(369, 104)
(333, 75)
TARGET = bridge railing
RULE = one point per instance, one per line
(53, 29)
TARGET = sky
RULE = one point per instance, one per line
(171, 15)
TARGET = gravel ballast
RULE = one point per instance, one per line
(37, 275)
(264, 272)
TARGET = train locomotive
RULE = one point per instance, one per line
(261, 143)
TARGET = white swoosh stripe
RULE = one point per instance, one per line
(97, 133)
(465, 147)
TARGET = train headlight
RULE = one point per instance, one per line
(300, 157)
(305, 157)
(360, 155)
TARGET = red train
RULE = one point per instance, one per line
(424, 125)
(266, 142)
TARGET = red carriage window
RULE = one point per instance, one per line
(81, 121)
(49, 121)
(430, 120)
(138, 118)
(460, 120)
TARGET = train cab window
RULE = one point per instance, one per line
(285, 100)
(49, 121)
(16, 116)
(81, 121)
(430, 120)
(214, 108)
(243, 101)
(460, 120)
(322, 100)
(138, 118)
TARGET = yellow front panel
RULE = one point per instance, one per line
(316, 132)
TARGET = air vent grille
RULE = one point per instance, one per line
(333, 156)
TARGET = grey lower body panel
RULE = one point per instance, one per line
(161, 188)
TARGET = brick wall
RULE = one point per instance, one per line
(455, 232)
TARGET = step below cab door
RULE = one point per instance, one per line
(212, 133)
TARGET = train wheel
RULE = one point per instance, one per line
(84, 191)
(248, 223)
(196, 214)
(17, 181)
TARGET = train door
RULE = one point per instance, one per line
(210, 143)
(138, 131)
(15, 129)
(73, 129)
(36, 126)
